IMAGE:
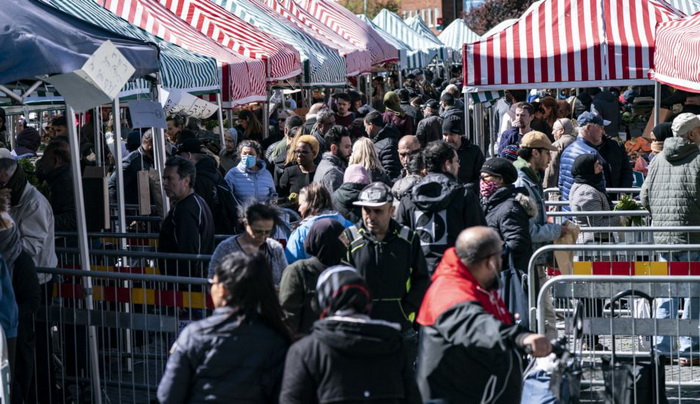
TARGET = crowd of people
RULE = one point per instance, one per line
(366, 236)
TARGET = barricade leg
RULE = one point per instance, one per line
(689, 345)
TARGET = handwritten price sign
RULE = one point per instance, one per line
(98, 81)
(182, 103)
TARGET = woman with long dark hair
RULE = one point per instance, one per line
(237, 354)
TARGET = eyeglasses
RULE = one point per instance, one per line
(301, 152)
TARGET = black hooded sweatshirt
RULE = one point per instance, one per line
(349, 360)
(438, 209)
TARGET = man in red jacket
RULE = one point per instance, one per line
(469, 349)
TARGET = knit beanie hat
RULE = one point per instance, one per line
(342, 291)
(29, 138)
(502, 168)
(452, 124)
(357, 174)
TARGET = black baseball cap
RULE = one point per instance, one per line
(374, 195)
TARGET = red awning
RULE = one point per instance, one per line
(676, 61)
(569, 43)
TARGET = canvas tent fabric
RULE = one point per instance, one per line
(457, 34)
(499, 27)
(358, 32)
(322, 66)
(58, 43)
(395, 26)
(357, 60)
(179, 68)
(675, 40)
(282, 61)
(550, 46)
(243, 79)
(688, 7)
(408, 58)
(418, 24)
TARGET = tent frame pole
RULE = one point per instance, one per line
(84, 251)
(220, 116)
(657, 103)
(159, 153)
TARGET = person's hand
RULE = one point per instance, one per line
(539, 346)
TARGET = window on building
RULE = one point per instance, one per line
(429, 19)
(436, 15)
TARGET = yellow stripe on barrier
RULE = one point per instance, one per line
(651, 268)
(143, 296)
(194, 300)
(583, 268)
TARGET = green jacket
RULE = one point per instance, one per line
(671, 191)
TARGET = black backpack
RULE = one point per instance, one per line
(225, 209)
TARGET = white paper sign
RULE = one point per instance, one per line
(182, 103)
(147, 114)
(98, 81)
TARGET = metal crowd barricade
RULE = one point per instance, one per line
(633, 328)
(618, 191)
(560, 217)
(138, 317)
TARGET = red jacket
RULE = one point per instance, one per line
(454, 284)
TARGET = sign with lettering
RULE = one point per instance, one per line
(182, 103)
(98, 81)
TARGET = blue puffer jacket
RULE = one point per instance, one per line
(225, 358)
(294, 251)
(9, 315)
(248, 185)
(566, 180)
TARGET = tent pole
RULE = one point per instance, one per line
(657, 103)
(159, 154)
(492, 130)
(220, 115)
(84, 251)
(99, 135)
(121, 214)
(266, 114)
(400, 79)
(479, 125)
(467, 118)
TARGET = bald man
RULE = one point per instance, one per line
(408, 145)
(468, 333)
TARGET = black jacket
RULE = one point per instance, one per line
(438, 209)
(607, 106)
(429, 129)
(512, 223)
(225, 358)
(467, 354)
(394, 268)
(62, 200)
(298, 294)
(387, 145)
(618, 171)
(453, 110)
(470, 161)
(349, 362)
(205, 180)
(343, 198)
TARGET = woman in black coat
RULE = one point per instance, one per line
(348, 357)
(507, 210)
(237, 354)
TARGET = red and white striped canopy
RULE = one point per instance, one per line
(357, 60)
(569, 43)
(243, 79)
(282, 61)
(358, 32)
(677, 60)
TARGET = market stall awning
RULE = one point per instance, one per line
(282, 61)
(417, 23)
(323, 66)
(457, 34)
(179, 68)
(408, 57)
(243, 79)
(357, 60)
(675, 42)
(358, 32)
(568, 43)
(39, 40)
(688, 7)
(394, 25)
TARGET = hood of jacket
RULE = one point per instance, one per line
(335, 161)
(207, 164)
(387, 131)
(435, 192)
(454, 284)
(348, 192)
(359, 336)
(678, 148)
(507, 192)
(522, 165)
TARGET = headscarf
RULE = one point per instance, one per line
(583, 171)
(323, 242)
(662, 131)
(392, 102)
(341, 291)
(16, 185)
